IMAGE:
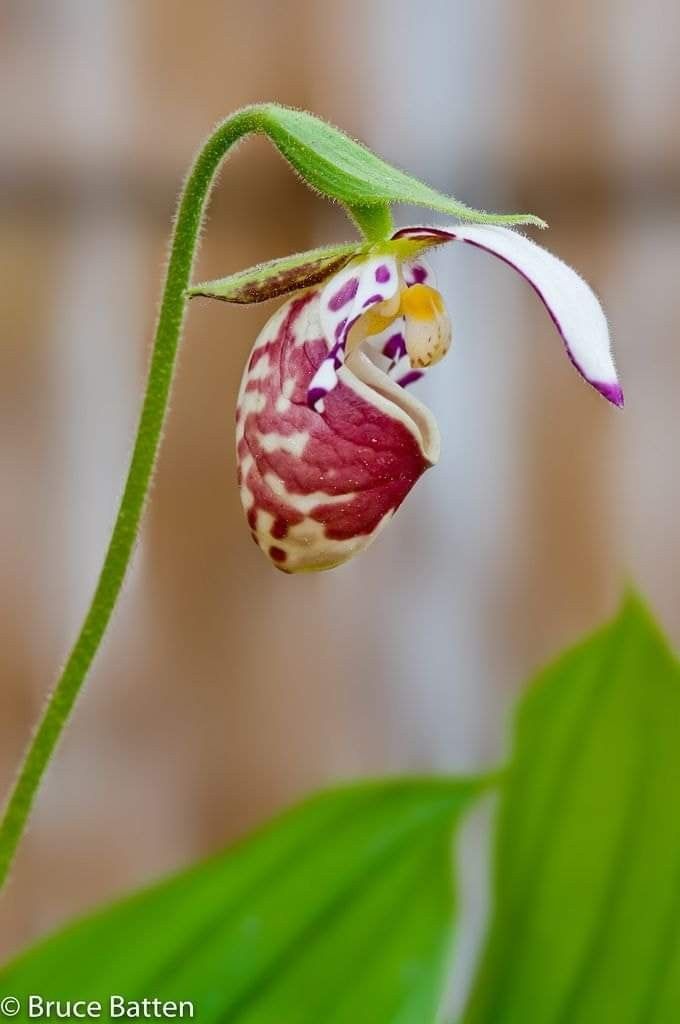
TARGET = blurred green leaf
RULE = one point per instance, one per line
(339, 912)
(280, 276)
(586, 924)
(341, 168)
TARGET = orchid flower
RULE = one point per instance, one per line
(329, 438)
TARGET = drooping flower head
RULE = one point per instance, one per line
(329, 437)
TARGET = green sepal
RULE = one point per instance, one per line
(342, 169)
(288, 274)
(280, 276)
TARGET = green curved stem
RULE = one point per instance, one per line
(168, 333)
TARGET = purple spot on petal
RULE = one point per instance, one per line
(612, 392)
(372, 300)
(409, 378)
(382, 274)
(344, 295)
(314, 396)
(395, 347)
(336, 355)
(279, 528)
(341, 336)
(418, 273)
(339, 328)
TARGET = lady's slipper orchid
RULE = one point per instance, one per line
(329, 441)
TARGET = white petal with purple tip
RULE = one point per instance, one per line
(572, 305)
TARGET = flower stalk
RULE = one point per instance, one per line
(61, 701)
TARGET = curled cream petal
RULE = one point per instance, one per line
(571, 303)
(367, 380)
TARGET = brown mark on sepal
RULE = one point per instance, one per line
(271, 280)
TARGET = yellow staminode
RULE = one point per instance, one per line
(421, 302)
(427, 325)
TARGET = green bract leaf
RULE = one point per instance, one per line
(280, 276)
(341, 911)
(586, 928)
(342, 169)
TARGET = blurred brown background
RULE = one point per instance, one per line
(225, 689)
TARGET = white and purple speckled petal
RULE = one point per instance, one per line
(572, 305)
(399, 370)
(388, 352)
(361, 285)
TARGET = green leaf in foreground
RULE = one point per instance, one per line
(341, 911)
(586, 925)
(342, 169)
